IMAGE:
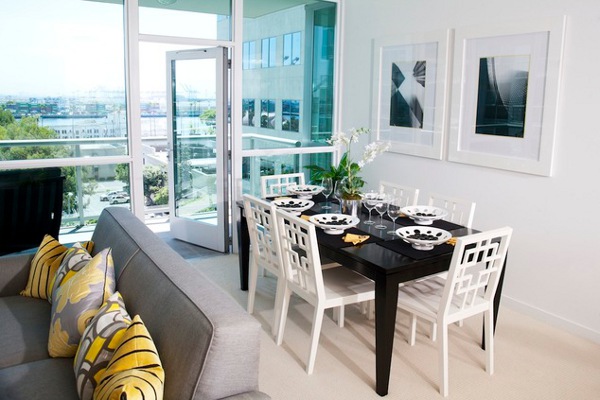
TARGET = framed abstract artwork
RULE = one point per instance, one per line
(505, 95)
(410, 90)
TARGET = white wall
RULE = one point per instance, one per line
(553, 268)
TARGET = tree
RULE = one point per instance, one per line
(155, 186)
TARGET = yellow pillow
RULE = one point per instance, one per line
(73, 260)
(43, 267)
(135, 370)
(98, 344)
(77, 301)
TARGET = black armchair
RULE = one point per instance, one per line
(30, 207)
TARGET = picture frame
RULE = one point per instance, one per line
(410, 87)
(505, 95)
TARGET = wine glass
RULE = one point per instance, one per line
(327, 184)
(381, 207)
(338, 192)
(393, 212)
(369, 200)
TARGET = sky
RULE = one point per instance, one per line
(67, 47)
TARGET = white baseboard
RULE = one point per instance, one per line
(551, 319)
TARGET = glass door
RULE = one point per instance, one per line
(198, 146)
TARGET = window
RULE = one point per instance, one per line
(267, 114)
(291, 48)
(248, 52)
(248, 112)
(269, 49)
(290, 115)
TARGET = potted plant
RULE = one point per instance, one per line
(346, 174)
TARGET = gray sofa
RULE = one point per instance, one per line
(208, 344)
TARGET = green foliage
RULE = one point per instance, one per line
(27, 128)
(6, 118)
(155, 185)
(336, 173)
(209, 115)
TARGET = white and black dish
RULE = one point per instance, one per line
(423, 238)
(294, 206)
(424, 215)
(334, 224)
(304, 191)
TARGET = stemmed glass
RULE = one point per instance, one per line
(381, 207)
(327, 184)
(370, 199)
(393, 211)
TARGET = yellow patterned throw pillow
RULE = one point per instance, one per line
(77, 301)
(73, 260)
(98, 344)
(135, 371)
(43, 267)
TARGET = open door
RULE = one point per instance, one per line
(198, 146)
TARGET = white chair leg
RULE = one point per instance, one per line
(314, 338)
(281, 286)
(252, 278)
(489, 341)
(338, 315)
(443, 355)
(371, 310)
(413, 329)
(284, 303)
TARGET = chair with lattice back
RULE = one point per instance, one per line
(406, 195)
(322, 288)
(460, 211)
(469, 290)
(265, 250)
(275, 185)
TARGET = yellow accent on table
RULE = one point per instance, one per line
(452, 241)
(305, 217)
(355, 239)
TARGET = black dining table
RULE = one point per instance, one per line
(384, 258)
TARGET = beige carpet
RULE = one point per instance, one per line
(533, 360)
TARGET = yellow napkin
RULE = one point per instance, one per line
(305, 217)
(452, 241)
(355, 239)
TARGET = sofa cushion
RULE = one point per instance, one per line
(77, 301)
(48, 379)
(43, 267)
(73, 260)
(24, 325)
(98, 344)
(135, 370)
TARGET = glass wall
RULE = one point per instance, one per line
(291, 79)
(62, 80)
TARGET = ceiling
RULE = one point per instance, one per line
(252, 8)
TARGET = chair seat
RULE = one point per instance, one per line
(423, 298)
(342, 284)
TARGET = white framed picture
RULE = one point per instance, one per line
(410, 92)
(505, 95)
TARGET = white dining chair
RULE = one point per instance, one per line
(322, 288)
(265, 250)
(274, 185)
(459, 211)
(469, 290)
(407, 196)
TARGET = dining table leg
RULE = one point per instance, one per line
(243, 250)
(386, 303)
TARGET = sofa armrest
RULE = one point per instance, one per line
(14, 272)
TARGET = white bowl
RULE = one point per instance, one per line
(424, 215)
(334, 224)
(294, 206)
(304, 191)
(423, 238)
